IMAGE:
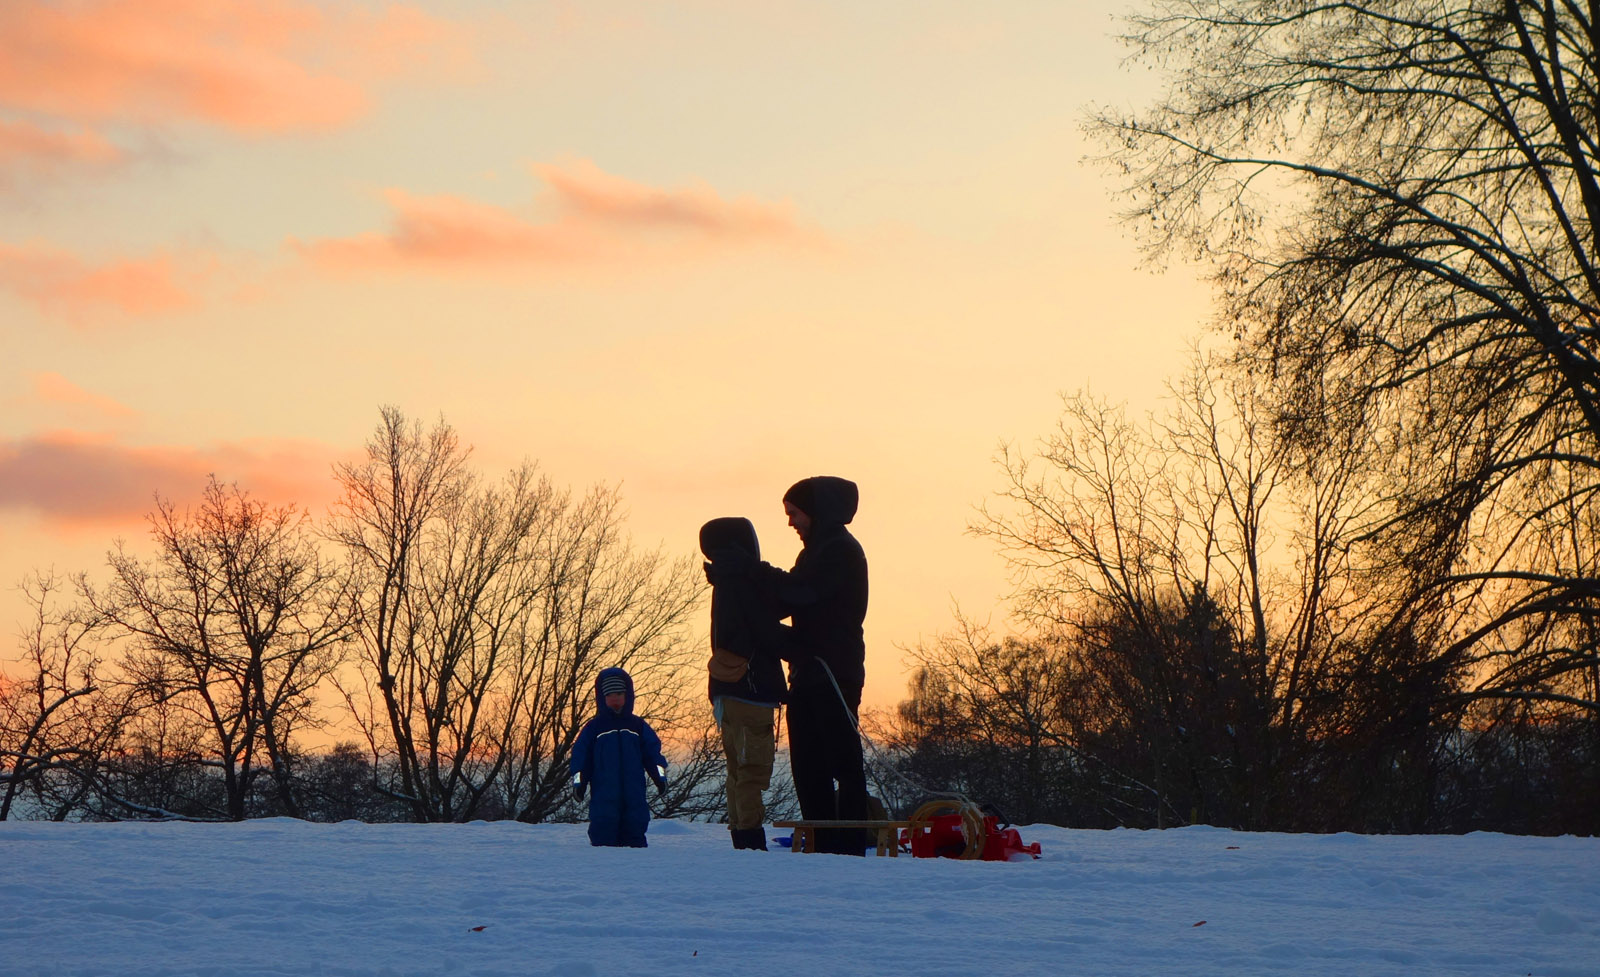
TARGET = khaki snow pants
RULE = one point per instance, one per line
(749, 735)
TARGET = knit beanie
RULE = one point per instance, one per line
(803, 496)
(613, 684)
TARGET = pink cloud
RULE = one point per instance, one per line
(446, 231)
(55, 389)
(248, 65)
(599, 217)
(65, 285)
(588, 191)
(75, 479)
(28, 150)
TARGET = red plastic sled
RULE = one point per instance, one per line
(962, 831)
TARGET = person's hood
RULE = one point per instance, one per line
(729, 533)
(828, 499)
(627, 681)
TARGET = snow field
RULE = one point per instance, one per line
(282, 897)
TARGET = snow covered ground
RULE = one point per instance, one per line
(285, 897)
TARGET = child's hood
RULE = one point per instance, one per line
(729, 533)
(610, 676)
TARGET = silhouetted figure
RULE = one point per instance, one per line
(746, 683)
(825, 597)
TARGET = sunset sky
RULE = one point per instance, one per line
(698, 248)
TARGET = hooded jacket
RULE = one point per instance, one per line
(744, 616)
(825, 594)
(614, 753)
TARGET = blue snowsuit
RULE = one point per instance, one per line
(612, 751)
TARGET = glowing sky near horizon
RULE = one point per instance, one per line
(701, 249)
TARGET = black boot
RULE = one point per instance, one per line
(754, 839)
(738, 839)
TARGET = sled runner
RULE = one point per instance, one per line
(805, 838)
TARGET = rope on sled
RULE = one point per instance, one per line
(943, 802)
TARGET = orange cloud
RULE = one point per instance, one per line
(76, 479)
(57, 390)
(586, 190)
(248, 65)
(448, 231)
(62, 284)
(28, 150)
(599, 217)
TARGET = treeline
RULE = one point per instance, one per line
(1351, 580)
(1206, 636)
(444, 628)
(1017, 725)
(1212, 628)
(1210, 635)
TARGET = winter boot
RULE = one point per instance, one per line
(738, 839)
(754, 839)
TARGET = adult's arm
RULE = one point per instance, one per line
(825, 571)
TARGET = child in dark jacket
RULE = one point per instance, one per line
(747, 684)
(615, 752)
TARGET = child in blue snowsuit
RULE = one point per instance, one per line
(614, 753)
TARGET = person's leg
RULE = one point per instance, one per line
(755, 748)
(632, 826)
(730, 752)
(750, 770)
(604, 831)
(819, 718)
(848, 764)
(754, 839)
(847, 768)
(808, 759)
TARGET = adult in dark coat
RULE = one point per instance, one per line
(744, 618)
(825, 597)
(746, 675)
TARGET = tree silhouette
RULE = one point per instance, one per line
(1402, 202)
(484, 612)
(231, 624)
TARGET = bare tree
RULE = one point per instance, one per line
(989, 718)
(407, 482)
(1402, 200)
(604, 604)
(233, 622)
(485, 612)
(1192, 573)
(57, 721)
(163, 766)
